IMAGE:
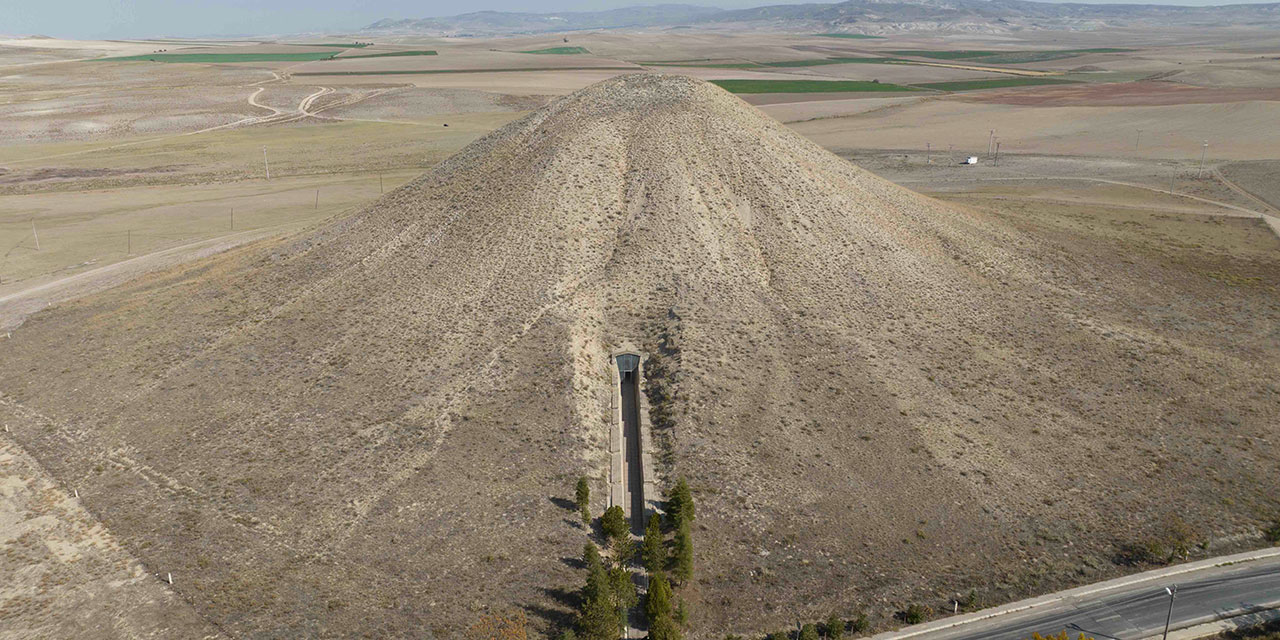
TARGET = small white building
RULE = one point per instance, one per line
(972, 160)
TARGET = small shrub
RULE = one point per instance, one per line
(499, 626)
(915, 614)
(834, 628)
(860, 624)
(1272, 533)
(1134, 553)
(809, 632)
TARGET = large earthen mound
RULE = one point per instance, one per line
(371, 428)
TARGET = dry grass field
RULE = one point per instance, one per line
(358, 417)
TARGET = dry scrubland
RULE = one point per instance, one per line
(881, 398)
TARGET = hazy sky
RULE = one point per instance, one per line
(150, 18)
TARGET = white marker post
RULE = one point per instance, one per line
(170, 578)
(266, 166)
(33, 232)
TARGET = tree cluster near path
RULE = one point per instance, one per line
(666, 613)
(610, 589)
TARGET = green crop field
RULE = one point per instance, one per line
(1018, 57)
(391, 54)
(806, 86)
(823, 61)
(975, 85)
(562, 51)
(945, 55)
(814, 62)
(851, 36)
(305, 56)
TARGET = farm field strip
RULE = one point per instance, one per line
(1001, 83)
(808, 86)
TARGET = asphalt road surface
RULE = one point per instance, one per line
(1137, 611)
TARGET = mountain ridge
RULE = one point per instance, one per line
(854, 15)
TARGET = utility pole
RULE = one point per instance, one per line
(128, 234)
(991, 139)
(928, 153)
(233, 218)
(266, 166)
(33, 232)
(1203, 149)
(950, 159)
(997, 161)
(1173, 593)
(317, 199)
(1137, 140)
(381, 189)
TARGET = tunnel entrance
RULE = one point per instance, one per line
(629, 372)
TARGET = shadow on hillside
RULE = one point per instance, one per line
(557, 617)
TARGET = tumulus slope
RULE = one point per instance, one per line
(369, 428)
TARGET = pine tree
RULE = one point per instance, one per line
(834, 627)
(598, 618)
(590, 556)
(809, 632)
(664, 628)
(679, 504)
(624, 591)
(681, 615)
(614, 522)
(583, 498)
(657, 603)
(653, 553)
(623, 550)
(682, 556)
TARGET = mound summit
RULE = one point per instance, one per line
(369, 429)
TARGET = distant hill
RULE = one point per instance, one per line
(855, 15)
(483, 22)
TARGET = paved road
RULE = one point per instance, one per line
(1136, 611)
